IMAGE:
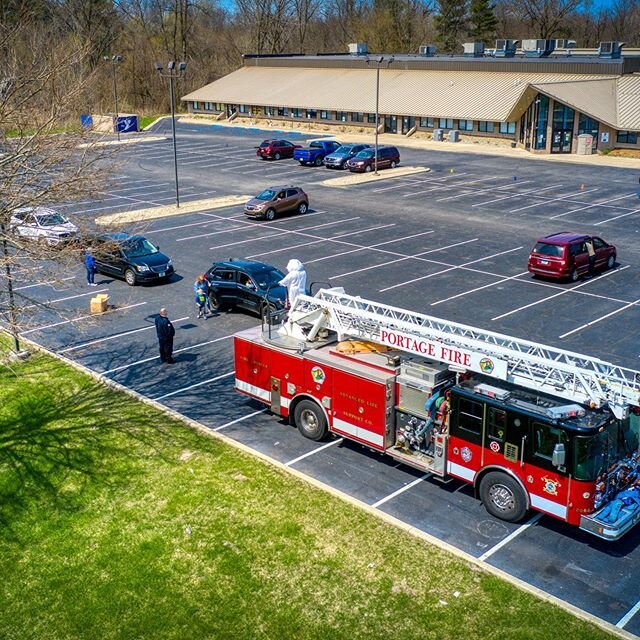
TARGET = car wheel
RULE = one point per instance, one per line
(214, 302)
(130, 277)
(318, 161)
(611, 261)
(575, 276)
(503, 497)
(310, 420)
(367, 169)
(303, 207)
(270, 214)
(394, 164)
(277, 156)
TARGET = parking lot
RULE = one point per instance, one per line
(452, 242)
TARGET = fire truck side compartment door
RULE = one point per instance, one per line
(252, 365)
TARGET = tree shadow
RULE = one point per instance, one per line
(65, 438)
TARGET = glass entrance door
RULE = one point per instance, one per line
(391, 124)
(408, 122)
(561, 141)
(562, 128)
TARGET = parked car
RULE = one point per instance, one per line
(276, 200)
(565, 256)
(42, 225)
(133, 258)
(276, 149)
(388, 157)
(316, 152)
(246, 284)
(338, 158)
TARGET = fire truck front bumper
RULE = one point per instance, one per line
(610, 530)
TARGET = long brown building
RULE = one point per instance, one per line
(546, 96)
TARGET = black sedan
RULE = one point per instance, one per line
(246, 284)
(133, 258)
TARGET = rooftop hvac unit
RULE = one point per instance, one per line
(565, 44)
(358, 49)
(428, 50)
(538, 48)
(506, 48)
(610, 49)
(473, 49)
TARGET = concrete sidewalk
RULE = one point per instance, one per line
(479, 148)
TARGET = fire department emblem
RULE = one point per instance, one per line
(466, 454)
(495, 446)
(550, 486)
(486, 365)
(318, 375)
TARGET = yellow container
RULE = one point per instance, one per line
(99, 303)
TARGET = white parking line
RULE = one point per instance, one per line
(546, 201)
(594, 204)
(211, 233)
(475, 192)
(510, 537)
(561, 293)
(516, 195)
(197, 384)
(608, 315)
(486, 286)
(417, 255)
(402, 490)
(311, 453)
(249, 415)
(80, 295)
(453, 268)
(403, 183)
(92, 316)
(43, 284)
(193, 346)
(115, 336)
(623, 215)
(627, 616)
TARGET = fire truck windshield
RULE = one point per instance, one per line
(595, 454)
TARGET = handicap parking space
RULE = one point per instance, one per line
(451, 243)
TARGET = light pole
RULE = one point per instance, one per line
(378, 61)
(172, 73)
(115, 60)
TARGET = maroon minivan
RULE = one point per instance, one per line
(276, 149)
(566, 255)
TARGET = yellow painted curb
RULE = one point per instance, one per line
(151, 213)
(113, 143)
(318, 484)
(384, 174)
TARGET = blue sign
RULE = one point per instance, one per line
(86, 121)
(127, 124)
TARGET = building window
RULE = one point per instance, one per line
(341, 115)
(357, 116)
(269, 111)
(627, 137)
(542, 103)
(465, 125)
(484, 126)
(562, 117)
(507, 127)
(324, 115)
(196, 105)
(371, 118)
(296, 113)
(426, 123)
(445, 123)
(244, 108)
(312, 114)
(283, 112)
(217, 106)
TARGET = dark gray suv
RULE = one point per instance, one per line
(338, 158)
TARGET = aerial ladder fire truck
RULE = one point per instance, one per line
(529, 425)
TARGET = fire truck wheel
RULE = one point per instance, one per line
(310, 420)
(503, 497)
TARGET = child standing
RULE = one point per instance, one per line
(201, 301)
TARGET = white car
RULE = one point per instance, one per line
(43, 225)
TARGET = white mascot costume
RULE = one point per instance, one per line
(295, 280)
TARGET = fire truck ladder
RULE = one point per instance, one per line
(573, 376)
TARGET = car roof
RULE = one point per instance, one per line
(37, 211)
(563, 237)
(251, 266)
(118, 236)
(280, 187)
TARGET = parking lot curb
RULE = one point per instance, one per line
(361, 178)
(389, 519)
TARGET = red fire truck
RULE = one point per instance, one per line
(530, 426)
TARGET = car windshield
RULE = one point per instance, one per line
(546, 249)
(268, 278)
(50, 219)
(345, 148)
(366, 153)
(138, 247)
(267, 194)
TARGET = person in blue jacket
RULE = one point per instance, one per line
(90, 264)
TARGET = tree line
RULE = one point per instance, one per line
(212, 35)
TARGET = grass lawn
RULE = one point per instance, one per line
(145, 121)
(117, 522)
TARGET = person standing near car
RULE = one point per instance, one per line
(165, 332)
(90, 264)
(295, 281)
(592, 256)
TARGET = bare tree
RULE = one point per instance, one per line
(547, 17)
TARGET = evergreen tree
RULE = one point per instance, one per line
(482, 21)
(450, 24)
